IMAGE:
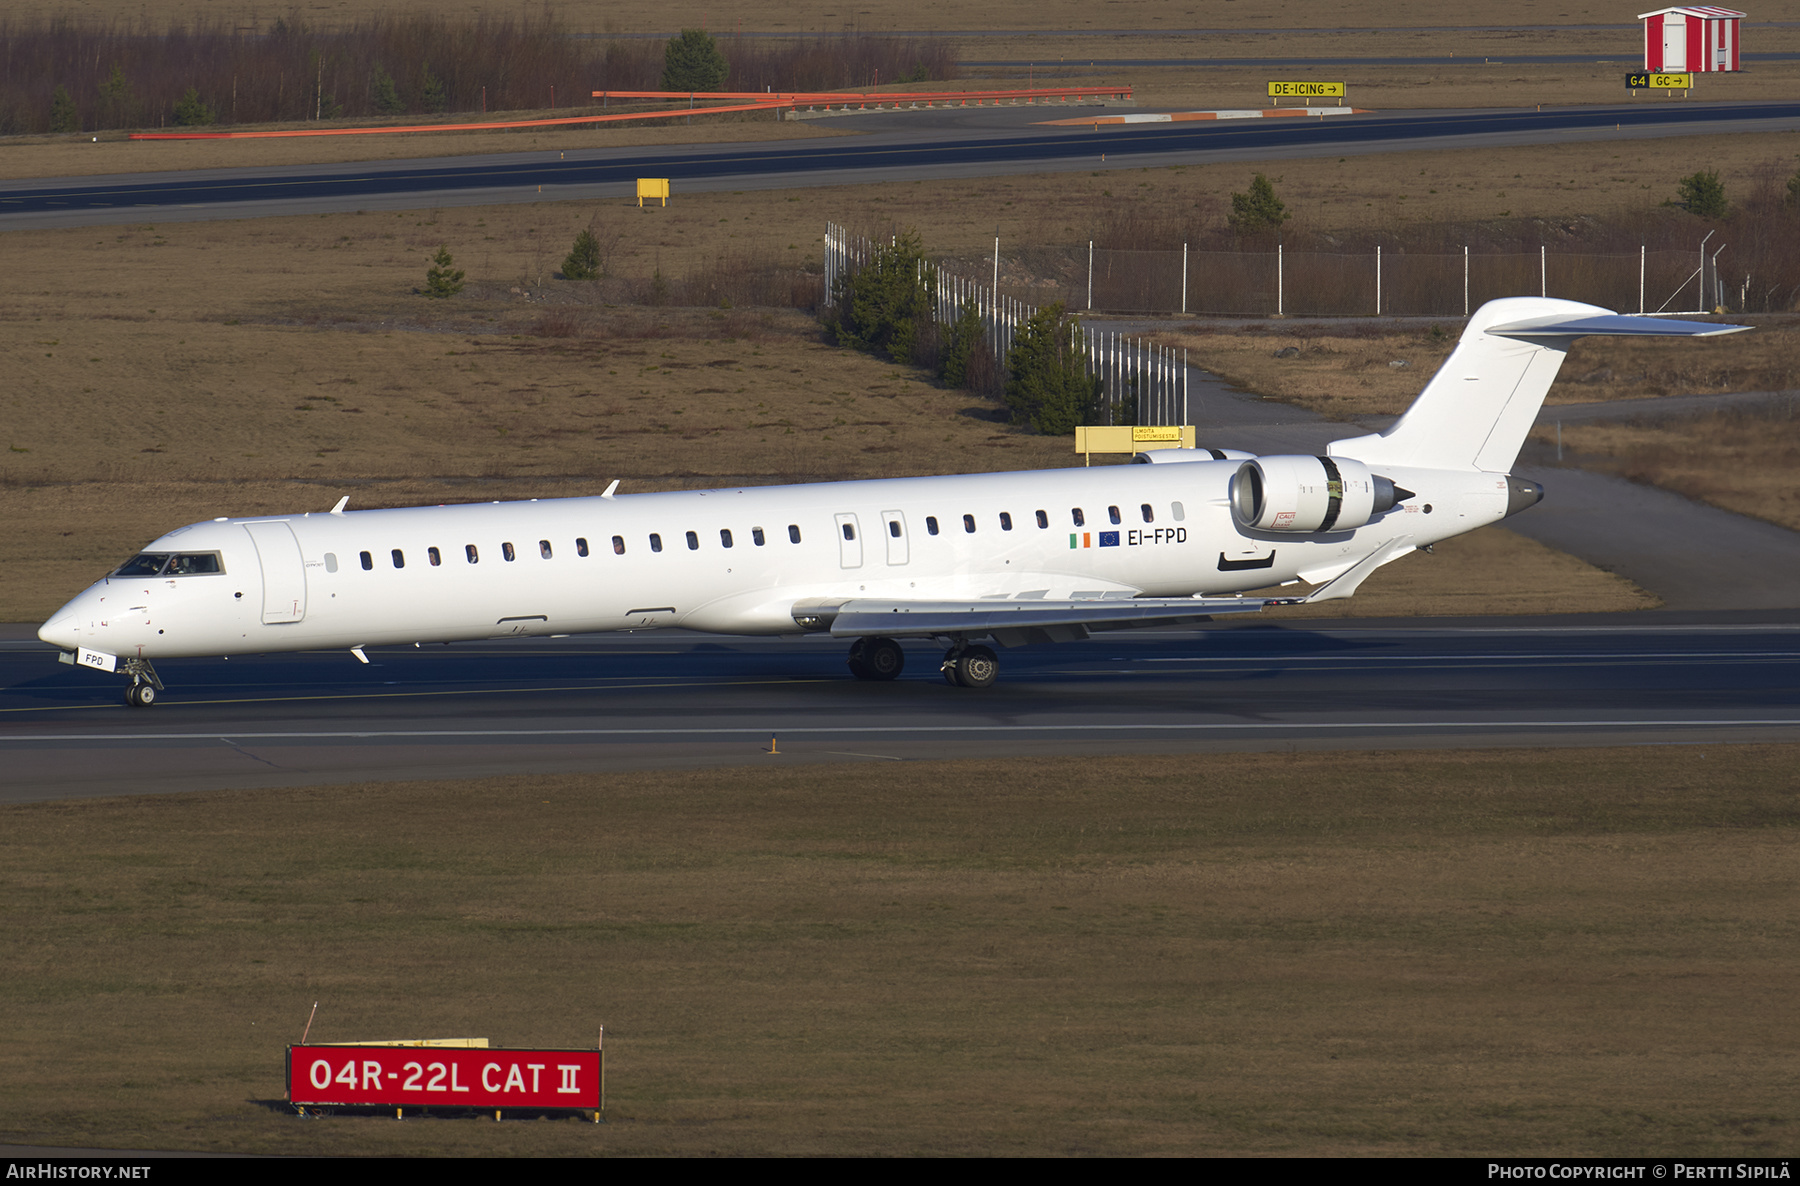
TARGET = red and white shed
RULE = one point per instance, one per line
(1695, 39)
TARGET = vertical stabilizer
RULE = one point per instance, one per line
(1475, 412)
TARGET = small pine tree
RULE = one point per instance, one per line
(190, 112)
(384, 93)
(434, 96)
(63, 117)
(1257, 211)
(960, 344)
(583, 261)
(693, 62)
(1047, 383)
(886, 300)
(116, 99)
(440, 282)
(1703, 194)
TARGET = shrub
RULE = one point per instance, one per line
(583, 260)
(1703, 194)
(63, 117)
(1257, 211)
(693, 63)
(1047, 383)
(190, 112)
(882, 304)
(440, 282)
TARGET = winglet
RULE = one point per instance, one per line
(608, 492)
(341, 504)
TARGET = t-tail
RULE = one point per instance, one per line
(1476, 410)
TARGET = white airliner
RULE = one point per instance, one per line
(1013, 557)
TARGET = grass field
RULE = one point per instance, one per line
(1526, 952)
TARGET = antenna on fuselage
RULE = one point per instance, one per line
(341, 504)
(610, 490)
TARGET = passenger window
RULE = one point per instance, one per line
(793, 533)
(894, 528)
(849, 531)
(436, 557)
(1043, 519)
(693, 542)
(1113, 514)
(471, 553)
(756, 536)
(507, 554)
(544, 548)
(969, 524)
(1005, 520)
(618, 545)
(581, 545)
(1080, 519)
(368, 562)
(931, 524)
(655, 542)
(1176, 511)
(399, 558)
(724, 537)
(1149, 515)
(331, 562)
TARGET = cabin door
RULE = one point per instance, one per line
(849, 542)
(893, 527)
(283, 572)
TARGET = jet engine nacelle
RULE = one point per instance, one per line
(1305, 494)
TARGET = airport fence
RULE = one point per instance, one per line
(1143, 382)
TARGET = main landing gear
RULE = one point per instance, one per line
(876, 658)
(964, 666)
(970, 667)
(144, 686)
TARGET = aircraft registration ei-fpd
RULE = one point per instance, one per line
(1044, 556)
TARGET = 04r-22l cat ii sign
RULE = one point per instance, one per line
(1011, 558)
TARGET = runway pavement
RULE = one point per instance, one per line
(632, 701)
(937, 143)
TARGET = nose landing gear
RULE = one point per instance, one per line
(141, 692)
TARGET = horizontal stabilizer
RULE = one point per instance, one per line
(1612, 325)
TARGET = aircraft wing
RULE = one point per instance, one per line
(1059, 619)
(1020, 620)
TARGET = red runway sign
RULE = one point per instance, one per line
(443, 1077)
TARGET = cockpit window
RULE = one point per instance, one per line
(178, 564)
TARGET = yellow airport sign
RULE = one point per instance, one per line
(1659, 82)
(1306, 90)
(653, 187)
(1126, 438)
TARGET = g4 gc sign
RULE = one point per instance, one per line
(442, 1077)
(1659, 82)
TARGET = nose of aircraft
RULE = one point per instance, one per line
(63, 631)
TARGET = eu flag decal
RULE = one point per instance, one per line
(1109, 539)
